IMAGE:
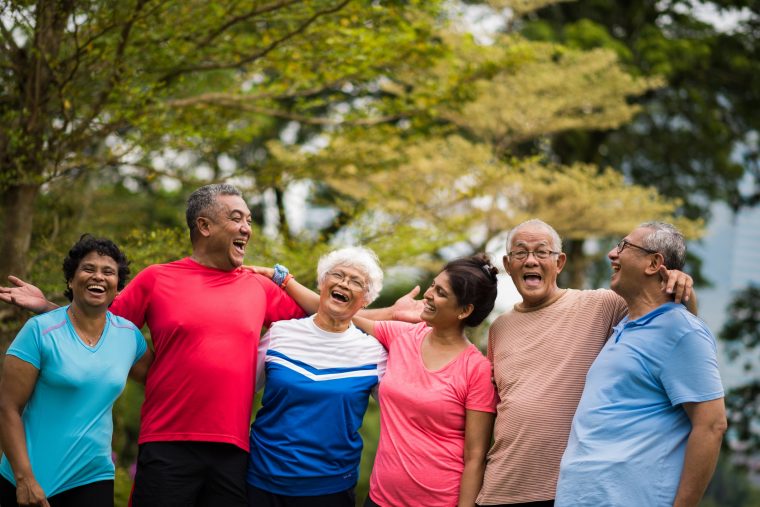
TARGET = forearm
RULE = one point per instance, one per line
(13, 439)
(376, 313)
(306, 298)
(702, 451)
(472, 480)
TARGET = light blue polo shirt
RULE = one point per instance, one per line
(67, 419)
(629, 433)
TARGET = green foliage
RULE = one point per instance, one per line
(730, 486)
(741, 332)
(693, 139)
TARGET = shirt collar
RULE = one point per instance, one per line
(643, 320)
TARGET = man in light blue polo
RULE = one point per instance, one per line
(648, 429)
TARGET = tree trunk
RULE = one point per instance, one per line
(17, 216)
(574, 274)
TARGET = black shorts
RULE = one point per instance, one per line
(260, 498)
(95, 494)
(201, 474)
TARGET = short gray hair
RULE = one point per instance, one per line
(357, 257)
(668, 241)
(535, 222)
(203, 200)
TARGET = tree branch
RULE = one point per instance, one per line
(236, 102)
(175, 73)
(238, 19)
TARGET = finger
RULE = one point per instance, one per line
(18, 282)
(670, 281)
(414, 292)
(678, 295)
(687, 290)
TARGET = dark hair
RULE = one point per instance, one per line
(473, 280)
(203, 200)
(87, 244)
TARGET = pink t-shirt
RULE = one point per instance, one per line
(205, 325)
(420, 457)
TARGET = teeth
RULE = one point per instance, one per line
(339, 296)
(96, 288)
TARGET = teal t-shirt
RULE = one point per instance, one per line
(67, 419)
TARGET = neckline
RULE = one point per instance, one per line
(556, 297)
(79, 338)
(452, 361)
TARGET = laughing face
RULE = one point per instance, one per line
(534, 278)
(229, 231)
(629, 265)
(95, 281)
(440, 305)
(343, 293)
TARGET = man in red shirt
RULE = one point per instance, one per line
(205, 315)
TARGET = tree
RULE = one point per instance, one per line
(741, 332)
(694, 138)
(103, 84)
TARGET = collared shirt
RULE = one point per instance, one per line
(628, 437)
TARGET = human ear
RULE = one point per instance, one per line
(204, 225)
(466, 311)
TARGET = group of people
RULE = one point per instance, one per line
(586, 397)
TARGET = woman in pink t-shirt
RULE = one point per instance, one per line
(437, 401)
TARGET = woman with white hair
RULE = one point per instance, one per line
(320, 371)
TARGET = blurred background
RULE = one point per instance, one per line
(424, 129)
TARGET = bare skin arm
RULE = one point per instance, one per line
(477, 438)
(708, 424)
(16, 387)
(366, 325)
(681, 286)
(26, 296)
(139, 370)
(406, 308)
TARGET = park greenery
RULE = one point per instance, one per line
(396, 124)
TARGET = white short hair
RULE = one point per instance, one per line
(357, 257)
(535, 222)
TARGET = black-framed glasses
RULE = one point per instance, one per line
(353, 282)
(624, 243)
(540, 254)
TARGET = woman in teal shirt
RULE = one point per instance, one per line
(61, 377)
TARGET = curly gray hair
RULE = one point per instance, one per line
(357, 257)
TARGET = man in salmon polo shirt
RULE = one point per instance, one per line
(541, 351)
(650, 423)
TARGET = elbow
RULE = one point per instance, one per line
(719, 427)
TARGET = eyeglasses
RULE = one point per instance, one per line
(354, 283)
(624, 243)
(522, 255)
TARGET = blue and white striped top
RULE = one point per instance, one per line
(305, 440)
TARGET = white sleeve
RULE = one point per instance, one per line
(261, 360)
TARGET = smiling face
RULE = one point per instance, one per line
(95, 281)
(440, 305)
(535, 279)
(340, 294)
(629, 266)
(227, 231)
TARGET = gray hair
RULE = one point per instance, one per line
(357, 257)
(535, 222)
(668, 241)
(203, 200)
